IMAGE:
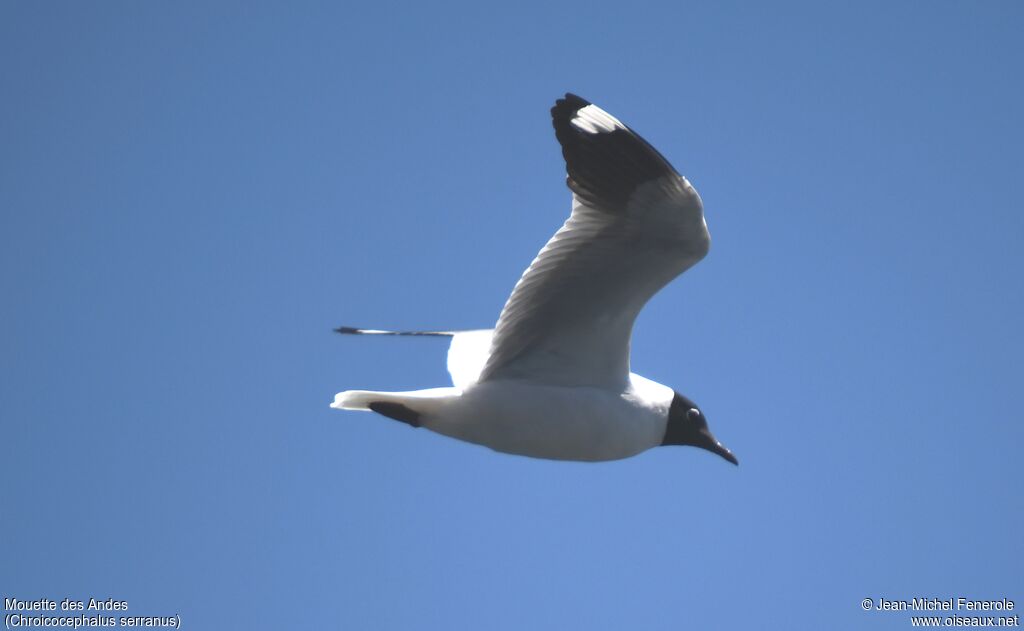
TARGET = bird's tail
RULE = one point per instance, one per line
(358, 399)
(364, 399)
(408, 407)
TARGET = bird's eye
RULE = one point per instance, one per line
(693, 414)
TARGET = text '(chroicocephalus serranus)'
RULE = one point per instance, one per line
(552, 379)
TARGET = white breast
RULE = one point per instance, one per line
(557, 422)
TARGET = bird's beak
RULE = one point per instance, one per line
(725, 453)
(716, 447)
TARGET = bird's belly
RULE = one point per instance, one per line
(578, 423)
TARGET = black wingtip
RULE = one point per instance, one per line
(565, 108)
(605, 160)
(347, 330)
(571, 100)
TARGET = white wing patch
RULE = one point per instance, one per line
(594, 120)
(467, 356)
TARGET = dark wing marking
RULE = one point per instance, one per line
(635, 225)
(605, 160)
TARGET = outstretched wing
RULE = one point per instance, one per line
(635, 225)
(467, 353)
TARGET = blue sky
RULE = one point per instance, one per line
(192, 196)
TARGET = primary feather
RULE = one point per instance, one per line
(635, 225)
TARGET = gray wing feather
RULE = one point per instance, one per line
(635, 225)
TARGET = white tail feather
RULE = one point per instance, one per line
(423, 401)
(356, 399)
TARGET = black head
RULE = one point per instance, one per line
(687, 426)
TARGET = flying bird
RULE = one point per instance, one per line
(552, 379)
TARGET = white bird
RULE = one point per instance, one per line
(552, 379)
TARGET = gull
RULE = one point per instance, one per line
(552, 379)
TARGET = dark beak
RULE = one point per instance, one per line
(711, 444)
(725, 453)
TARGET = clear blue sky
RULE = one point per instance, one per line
(193, 195)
